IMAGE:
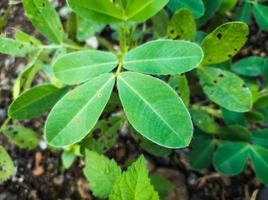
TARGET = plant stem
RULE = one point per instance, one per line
(3, 126)
(209, 110)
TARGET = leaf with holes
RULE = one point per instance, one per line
(230, 159)
(78, 67)
(134, 184)
(154, 110)
(35, 101)
(224, 42)
(162, 57)
(45, 18)
(182, 26)
(73, 117)
(6, 165)
(21, 136)
(101, 173)
(225, 89)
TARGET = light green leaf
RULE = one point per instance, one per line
(260, 137)
(260, 162)
(21, 136)
(67, 158)
(225, 89)
(201, 155)
(262, 101)
(6, 165)
(182, 25)
(244, 13)
(250, 66)
(26, 38)
(35, 101)
(16, 48)
(261, 14)
(103, 11)
(78, 67)
(155, 110)
(140, 10)
(195, 6)
(73, 117)
(134, 184)
(224, 42)
(227, 5)
(101, 173)
(231, 158)
(45, 18)
(180, 84)
(163, 57)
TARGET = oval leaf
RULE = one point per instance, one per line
(224, 42)
(163, 57)
(6, 165)
(226, 89)
(78, 67)
(261, 14)
(231, 158)
(155, 110)
(33, 102)
(45, 18)
(77, 112)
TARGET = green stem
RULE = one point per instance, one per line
(209, 110)
(3, 126)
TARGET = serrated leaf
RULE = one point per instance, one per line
(182, 25)
(195, 6)
(35, 101)
(260, 137)
(230, 159)
(202, 151)
(261, 14)
(134, 184)
(101, 173)
(77, 112)
(78, 67)
(16, 48)
(224, 42)
(45, 18)
(6, 165)
(21, 136)
(155, 110)
(260, 162)
(225, 89)
(250, 66)
(161, 57)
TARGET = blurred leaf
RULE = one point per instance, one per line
(261, 14)
(160, 24)
(234, 133)
(227, 5)
(260, 137)
(162, 185)
(6, 165)
(254, 116)
(67, 159)
(211, 7)
(244, 12)
(233, 118)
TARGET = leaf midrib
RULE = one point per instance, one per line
(148, 104)
(160, 59)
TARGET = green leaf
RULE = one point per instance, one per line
(155, 110)
(250, 66)
(227, 5)
(162, 185)
(260, 137)
(67, 158)
(195, 6)
(211, 7)
(16, 48)
(180, 84)
(101, 173)
(78, 67)
(140, 10)
(254, 117)
(26, 38)
(244, 12)
(262, 102)
(73, 117)
(35, 101)
(225, 89)
(6, 165)
(45, 18)
(260, 162)
(21, 136)
(233, 118)
(203, 120)
(160, 24)
(161, 57)
(261, 14)
(231, 158)
(134, 184)
(202, 152)
(102, 11)
(182, 25)
(234, 133)
(224, 42)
